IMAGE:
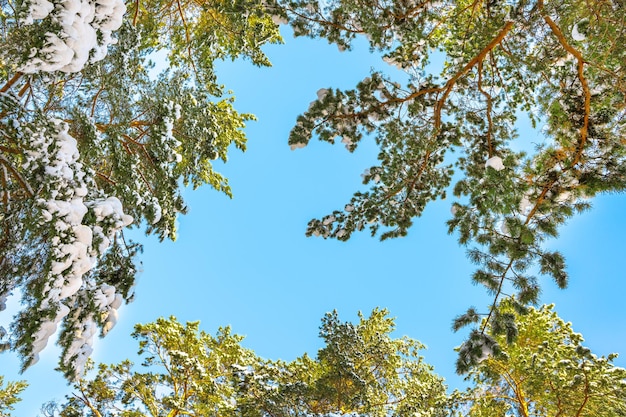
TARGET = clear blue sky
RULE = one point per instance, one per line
(246, 262)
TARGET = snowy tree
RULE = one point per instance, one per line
(547, 371)
(361, 370)
(94, 141)
(559, 62)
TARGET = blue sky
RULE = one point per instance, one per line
(245, 262)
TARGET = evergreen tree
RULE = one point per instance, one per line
(94, 141)
(546, 372)
(9, 395)
(361, 370)
(560, 62)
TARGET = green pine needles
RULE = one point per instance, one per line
(94, 141)
(560, 62)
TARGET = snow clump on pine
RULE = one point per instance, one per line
(495, 162)
(74, 246)
(85, 33)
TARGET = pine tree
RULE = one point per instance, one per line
(361, 370)
(546, 372)
(560, 62)
(94, 141)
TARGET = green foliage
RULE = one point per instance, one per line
(560, 62)
(9, 395)
(94, 140)
(361, 370)
(546, 371)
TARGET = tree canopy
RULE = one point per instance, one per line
(546, 371)
(560, 62)
(95, 139)
(361, 370)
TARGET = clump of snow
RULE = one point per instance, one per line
(108, 302)
(576, 35)
(328, 220)
(81, 346)
(504, 228)
(369, 175)
(525, 205)
(563, 197)
(86, 28)
(495, 162)
(346, 140)
(486, 352)
(279, 20)
(158, 212)
(168, 143)
(74, 246)
(298, 145)
(38, 9)
(321, 93)
(393, 62)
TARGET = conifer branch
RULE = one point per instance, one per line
(481, 55)
(5, 190)
(583, 81)
(489, 109)
(23, 182)
(11, 82)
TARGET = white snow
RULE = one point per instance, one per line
(486, 352)
(346, 140)
(576, 35)
(157, 211)
(82, 346)
(279, 20)
(111, 207)
(72, 247)
(86, 28)
(525, 205)
(328, 220)
(39, 9)
(495, 162)
(564, 197)
(321, 93)
(295, 146)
